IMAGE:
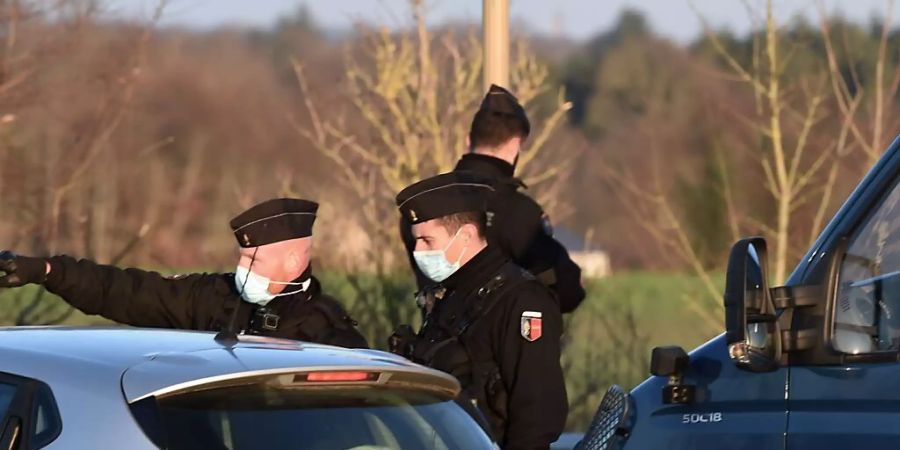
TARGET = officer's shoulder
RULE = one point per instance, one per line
(529, 292)
(199, 285)
(522, 281)
(187, 277)
(523, 203)
(221, 283)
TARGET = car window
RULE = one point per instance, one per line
(7, 392)
(46, 424)
(867, 309)
(357, 418)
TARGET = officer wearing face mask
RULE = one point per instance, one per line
(488, 322)
(272, 291)
(517, 225)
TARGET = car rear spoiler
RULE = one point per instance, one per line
(438, 383)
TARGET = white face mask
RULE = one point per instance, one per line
(254, 288)
(434, 263)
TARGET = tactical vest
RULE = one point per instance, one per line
(339, 329)
(446, 343)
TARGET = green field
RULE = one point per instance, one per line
(607, 340)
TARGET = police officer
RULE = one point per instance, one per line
(488, 322)
(517, 225)
(271, 293)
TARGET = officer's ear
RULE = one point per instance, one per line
(302, 253)
(294, 259)
(469, 233)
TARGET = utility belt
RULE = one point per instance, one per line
(446, 348)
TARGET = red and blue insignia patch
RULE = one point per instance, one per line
(531, 327)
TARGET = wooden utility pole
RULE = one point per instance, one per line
(495, 23)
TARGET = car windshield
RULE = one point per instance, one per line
(357, 418)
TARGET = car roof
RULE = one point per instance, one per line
(150, 361)
(121, 346)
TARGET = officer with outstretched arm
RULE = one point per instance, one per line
(272, 288)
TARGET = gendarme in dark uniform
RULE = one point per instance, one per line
(489, 323)
(517, 225)
(205, 301)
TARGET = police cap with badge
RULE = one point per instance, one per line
(275, 220)
(432, 198)
(443, 195)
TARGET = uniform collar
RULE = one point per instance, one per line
(477, 271)
(485, 164)
(310, 288)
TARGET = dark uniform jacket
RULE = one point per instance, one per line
(519, 228)
(197, 302)
(475, 332)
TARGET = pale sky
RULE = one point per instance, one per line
(576, 19)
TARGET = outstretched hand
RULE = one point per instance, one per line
(21, 270)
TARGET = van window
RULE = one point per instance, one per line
(867, 310)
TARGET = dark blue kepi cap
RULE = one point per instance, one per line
(275, 220)
(443, 195)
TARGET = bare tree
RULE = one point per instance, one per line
(789, 135)
(68, 168)
(788, 173)
(412, 95)
(878, 114)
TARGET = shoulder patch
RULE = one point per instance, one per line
(547, 225)
(531, 327)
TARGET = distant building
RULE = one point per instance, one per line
(594, 262)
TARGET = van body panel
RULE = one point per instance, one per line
(796, 406)
(723, 415)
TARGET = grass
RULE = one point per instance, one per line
(659, 301)
(609, 338)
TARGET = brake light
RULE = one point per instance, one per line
(341, 376)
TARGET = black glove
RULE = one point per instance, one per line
(21, 270)
(401, 341)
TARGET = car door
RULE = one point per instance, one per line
(855, 403)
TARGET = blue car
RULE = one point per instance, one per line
(814, 364)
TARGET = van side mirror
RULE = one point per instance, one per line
(751, 328)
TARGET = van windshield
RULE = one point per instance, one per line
(357, 418)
